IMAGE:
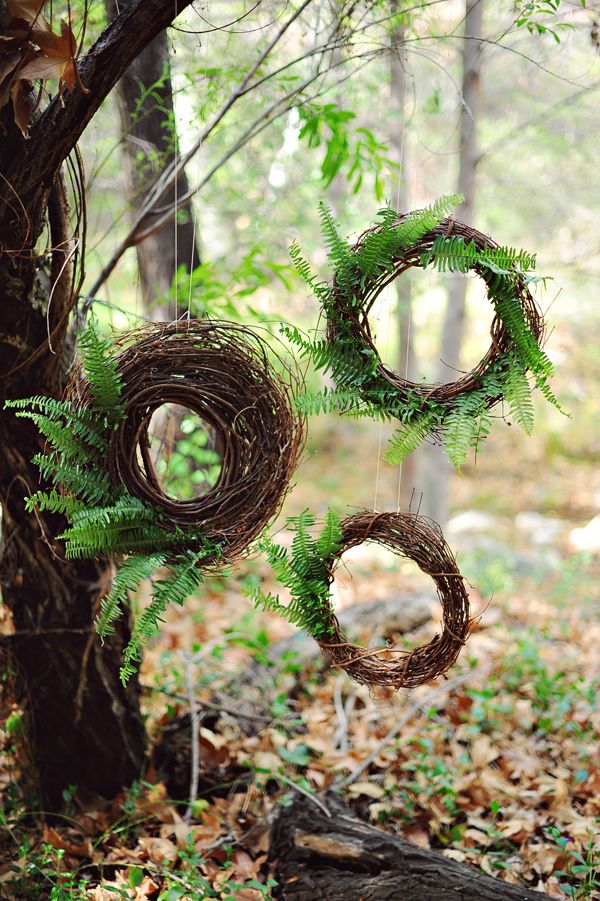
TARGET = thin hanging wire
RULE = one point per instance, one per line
(175, 188)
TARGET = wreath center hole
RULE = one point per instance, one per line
(185, 452)
(371, 572)
(427, 291)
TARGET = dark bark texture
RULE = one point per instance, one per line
(340, 858)
(85, 729)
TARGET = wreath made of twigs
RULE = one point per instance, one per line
(350, 316)
(420, 539)
(225, 374)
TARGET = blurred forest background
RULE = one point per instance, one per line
(400, 110)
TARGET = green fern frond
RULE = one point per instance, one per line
(62, 438)
(105, 382)
(184, 578)
(303, 571)
(453, 254)
(518, 396)
(407, 439)
(75, 478)
(320, 288)
(329, 541)
(53, 502)
(81, 422)
(462, 425)
(129, 577)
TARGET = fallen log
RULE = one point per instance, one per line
(336, 857)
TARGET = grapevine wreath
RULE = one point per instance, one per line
(308, 569)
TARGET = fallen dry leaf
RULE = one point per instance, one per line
(369, 789)
(27, 10)
(159, 850)
(483, 752)
(54, 838)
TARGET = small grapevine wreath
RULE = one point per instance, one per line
(222, 372)
(98, 457)
(309, 570)
(455, 412)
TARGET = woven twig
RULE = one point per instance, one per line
(222, 372)
(420, 539)
(356, 318)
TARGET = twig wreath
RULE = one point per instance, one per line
(222, 372)
(104, 478)
(309, 570)
(454, 413)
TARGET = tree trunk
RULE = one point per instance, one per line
(340, 858)
(397, 140)
(84, 728)
(148, 128)
(438, 467)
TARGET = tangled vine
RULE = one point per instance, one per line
(309, 570)
(456, 413)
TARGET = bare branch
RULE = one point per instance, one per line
(60, 126)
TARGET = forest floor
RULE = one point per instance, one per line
(496, 766)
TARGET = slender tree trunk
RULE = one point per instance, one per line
(397, 140)
(148, 128)
(439, 469)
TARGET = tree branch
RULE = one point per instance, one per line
(60, 126)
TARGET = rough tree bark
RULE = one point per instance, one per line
(438, 467)
(84, 728)
(149, 145)
(336, 857)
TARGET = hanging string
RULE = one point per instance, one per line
(192, 204)
(401, 175)
(175, 186)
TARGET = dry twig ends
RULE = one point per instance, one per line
(224, 373)
(366, 291)
(420, 539)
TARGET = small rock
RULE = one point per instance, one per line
(472, 521)
(539, 529)
(588, 537)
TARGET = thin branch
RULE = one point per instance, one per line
(195, 737)
(162, 215)
(539, 117)
(60, 126)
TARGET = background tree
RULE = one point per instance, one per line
(436, 469)
(150, 143)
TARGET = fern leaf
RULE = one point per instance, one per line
(183, 580)
(105, 383)
(518, 395)
(329, 541)
(53, 502)
(129, 577)
(407, 439)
